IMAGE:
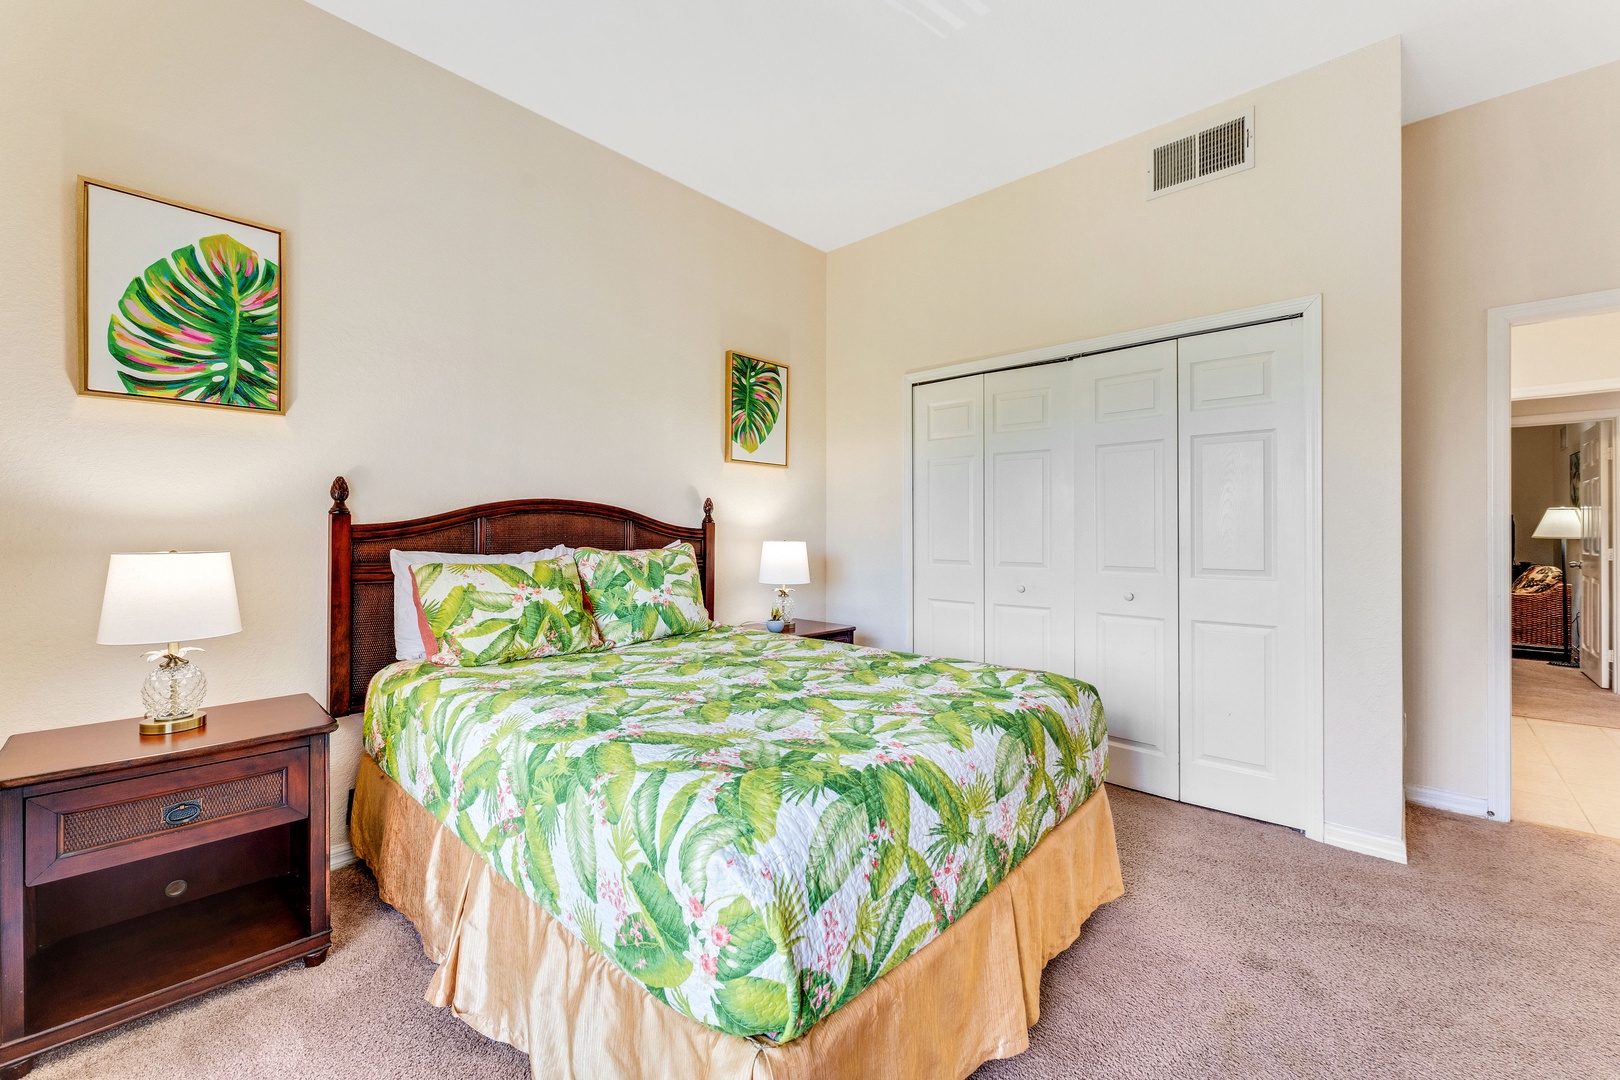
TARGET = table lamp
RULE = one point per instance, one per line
(783, 563)
(1562, 523)
(159, 597)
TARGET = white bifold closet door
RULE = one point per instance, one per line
(993, 515)
(1243, 513)
(1126, 571)
(947, 514)
(1029, 518)
(1137, 519)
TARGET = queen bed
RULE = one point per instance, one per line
(717, 853)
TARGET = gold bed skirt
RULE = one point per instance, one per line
(516, 974)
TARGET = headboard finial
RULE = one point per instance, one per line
(708, 511)
(340, 496)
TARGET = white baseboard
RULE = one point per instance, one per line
(1377, 845)
(342, 855)
(1439, 799)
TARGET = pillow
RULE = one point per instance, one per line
(407, 631)
(473, 614)
(643, 595)
(1538, 579)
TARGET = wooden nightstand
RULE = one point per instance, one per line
(826, 631)
(138, 871)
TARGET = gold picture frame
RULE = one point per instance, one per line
(756, 395)
(129, 244)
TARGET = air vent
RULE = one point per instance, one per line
(1192, 159)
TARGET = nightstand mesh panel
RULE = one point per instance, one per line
(103, 825)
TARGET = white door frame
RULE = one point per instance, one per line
(1309, 308)
(1499, 324)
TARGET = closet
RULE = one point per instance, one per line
(1138, 519)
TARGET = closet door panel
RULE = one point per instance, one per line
(1029, 494)
(1243, 565)
(1130, 662)
(948, 518)
(1126, 639)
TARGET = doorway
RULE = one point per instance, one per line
(1561, 362)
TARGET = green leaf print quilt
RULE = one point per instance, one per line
(754, 825)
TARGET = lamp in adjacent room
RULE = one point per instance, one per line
(164, 598)
(783, 563)
(1562, 523)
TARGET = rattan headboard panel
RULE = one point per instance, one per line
(360, 632)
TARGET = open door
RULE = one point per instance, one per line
(1597, 551)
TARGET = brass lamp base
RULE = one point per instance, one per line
(174, 726)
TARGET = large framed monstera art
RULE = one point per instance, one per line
(178, 304)
(756, 410)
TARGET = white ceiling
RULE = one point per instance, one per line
(836, 119)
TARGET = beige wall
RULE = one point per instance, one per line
(1540, 480)
(481, 305)
(1506, 202)
(1078, 251)
(1566, 355)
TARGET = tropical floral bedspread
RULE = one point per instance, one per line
(755, 826)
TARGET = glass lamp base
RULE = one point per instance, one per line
(784, 605)
(171, 693)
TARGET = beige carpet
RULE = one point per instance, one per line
(1545, 692)
(1239, 950)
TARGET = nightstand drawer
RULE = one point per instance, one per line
(90, 828)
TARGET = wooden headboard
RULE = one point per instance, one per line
(360, 633)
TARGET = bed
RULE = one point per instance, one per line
(725, 854)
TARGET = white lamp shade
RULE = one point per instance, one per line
(784, 562)
(156, 597)
(1560, 523)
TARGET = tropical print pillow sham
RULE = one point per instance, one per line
(473, 614)
(408, 643)
(643, 595)
(754, 826)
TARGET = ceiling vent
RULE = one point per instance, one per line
(1224, 148)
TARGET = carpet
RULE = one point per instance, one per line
(1545, 692)
(1239, 950)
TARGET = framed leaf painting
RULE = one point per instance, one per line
(178, 304)
(756, 410)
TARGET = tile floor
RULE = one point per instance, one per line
(1566, 775)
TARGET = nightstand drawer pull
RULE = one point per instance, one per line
(182, 813)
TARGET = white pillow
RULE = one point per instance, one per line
(407, 631)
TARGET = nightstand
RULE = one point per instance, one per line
(138, 871)
(809, 628)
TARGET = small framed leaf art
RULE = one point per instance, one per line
(756, 410)
(178, 304)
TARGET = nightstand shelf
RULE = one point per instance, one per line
(810, 628)
(128, 961)
(138, 871)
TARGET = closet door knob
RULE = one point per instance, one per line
(1020, 588)
(1130, 596)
